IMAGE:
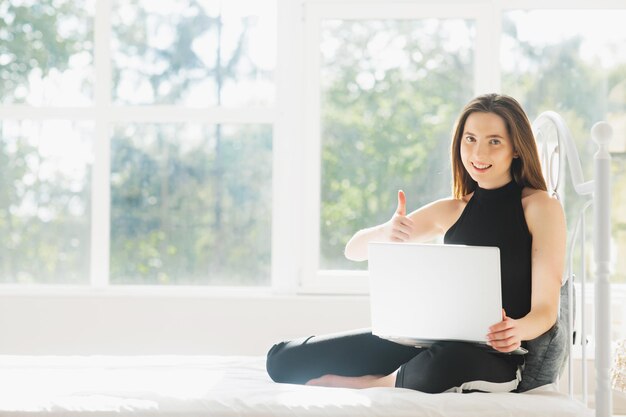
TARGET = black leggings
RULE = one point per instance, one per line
(445, 366)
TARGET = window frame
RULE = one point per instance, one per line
(296, 165)
(104, 114)
(487, 15)
(486, 51)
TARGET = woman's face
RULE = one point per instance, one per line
(487, 150)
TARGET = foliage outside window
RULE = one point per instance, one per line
(190, 200)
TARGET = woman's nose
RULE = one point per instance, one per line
(480, 150)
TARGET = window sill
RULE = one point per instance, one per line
(330, 285)
(154, 291)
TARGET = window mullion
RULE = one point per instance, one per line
(487, 50)
(312, 148)
(101, 190)
(287, 171)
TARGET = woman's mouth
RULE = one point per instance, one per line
(480, 167)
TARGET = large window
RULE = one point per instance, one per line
(136, 141)
(385, 83)
(242, 143)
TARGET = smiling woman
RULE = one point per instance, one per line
(487, 150)
(499, 200)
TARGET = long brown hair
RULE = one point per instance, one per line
(525, 169)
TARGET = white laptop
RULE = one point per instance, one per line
(422, 293)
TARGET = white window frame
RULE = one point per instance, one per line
(104, 114)
(296, 165)
(486, 14)
(313, 280)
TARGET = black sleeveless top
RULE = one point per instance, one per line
(496, 218)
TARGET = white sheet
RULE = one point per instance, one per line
(228, 386)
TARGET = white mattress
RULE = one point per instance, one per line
(228, 386)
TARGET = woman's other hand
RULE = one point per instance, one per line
(505, 336)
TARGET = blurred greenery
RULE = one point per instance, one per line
(34, 39)
(386, 127)
(160, 57)
(192, 204)
(164, 226)
(44, 210)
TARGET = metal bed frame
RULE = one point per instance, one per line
(556, 147)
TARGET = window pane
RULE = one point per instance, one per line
(194, 53)
(577, 68)
(45, 206)
(46, 52)
(191, 204)
(391, 90)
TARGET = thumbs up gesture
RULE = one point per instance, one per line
(399, 228)
(401, 203)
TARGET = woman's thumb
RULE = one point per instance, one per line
(401, 203)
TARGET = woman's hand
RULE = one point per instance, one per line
(399, 228)
(505, 336)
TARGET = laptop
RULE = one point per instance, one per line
(423, 293)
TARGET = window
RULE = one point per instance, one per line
(242, 143)
(47, 53)
(191, 204)
(390, 90)
(137, 142)
(387, 83)
(188, 53)
(45, 201)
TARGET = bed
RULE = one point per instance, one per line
(228, 386)
(239, 386)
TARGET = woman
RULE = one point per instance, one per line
(499, 199)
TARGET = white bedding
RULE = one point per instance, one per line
(228, 386)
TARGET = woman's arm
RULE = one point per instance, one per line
(546, 222)
(421, 225)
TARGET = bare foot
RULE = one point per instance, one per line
(366, 381)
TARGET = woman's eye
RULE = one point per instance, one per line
(495, 141)
(469, 139)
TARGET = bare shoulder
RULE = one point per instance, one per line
(540, 208)
(537, 199)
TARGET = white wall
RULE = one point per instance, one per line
(106, 324)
